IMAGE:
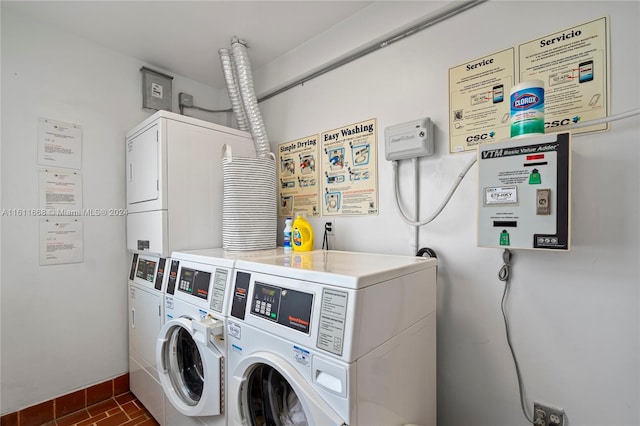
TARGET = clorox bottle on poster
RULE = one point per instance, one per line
(302, 235)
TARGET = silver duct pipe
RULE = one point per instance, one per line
(249, 99)
(231, 78)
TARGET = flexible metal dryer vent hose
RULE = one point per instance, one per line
(231, 78)
(249, 99)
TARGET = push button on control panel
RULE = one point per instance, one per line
(543, 202)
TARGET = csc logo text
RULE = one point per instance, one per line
(479, 138)
(557, 123)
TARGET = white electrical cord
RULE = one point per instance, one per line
(438, 210)
(416, 201)
(606, 119)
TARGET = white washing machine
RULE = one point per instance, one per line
(332, 338)
(191, 347)
(147, 281)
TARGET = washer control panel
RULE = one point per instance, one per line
(266, 301)
(285, 306)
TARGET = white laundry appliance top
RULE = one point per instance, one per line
(345, 269)
(222, 257)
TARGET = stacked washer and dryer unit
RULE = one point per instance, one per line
(174, 201)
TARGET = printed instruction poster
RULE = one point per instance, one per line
(61, 241)
(298, 172)
(572, 63)
(349, 170)
(60, 192)
(59, 144)
(478, 104)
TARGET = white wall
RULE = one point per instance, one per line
(574, 316)
(64, 327)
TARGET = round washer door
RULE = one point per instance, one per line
(269, 391)
(190, 368)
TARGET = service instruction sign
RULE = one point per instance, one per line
(573, 64)
(479, 100)
(298, 172)
(350, 170)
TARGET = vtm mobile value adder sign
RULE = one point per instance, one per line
(298, 172)
(479, 100)
(350, 170)
(524, 193)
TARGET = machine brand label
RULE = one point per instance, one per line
(301, 355)
(234, 330)
(518, 150)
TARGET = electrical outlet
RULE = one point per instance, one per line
(544, 415)
(330, 227)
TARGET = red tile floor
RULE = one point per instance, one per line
(105, 404)
(120, 410)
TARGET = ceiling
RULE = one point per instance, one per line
(183, 37)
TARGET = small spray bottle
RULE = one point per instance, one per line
(288, 248)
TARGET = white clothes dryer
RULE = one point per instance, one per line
(332, 338)
(147, 282)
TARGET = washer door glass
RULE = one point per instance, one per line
(271, 401)
(185, 366)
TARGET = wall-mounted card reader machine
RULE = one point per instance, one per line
(524, 193)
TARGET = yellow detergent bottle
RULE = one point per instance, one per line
(302, 234)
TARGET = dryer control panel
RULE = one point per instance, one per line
(148, 270)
